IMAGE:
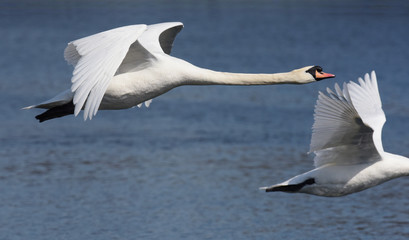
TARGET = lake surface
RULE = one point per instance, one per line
(190, 166)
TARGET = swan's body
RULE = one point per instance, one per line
(127, 66)
(347, 142)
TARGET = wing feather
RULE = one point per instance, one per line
(367, 102)
(99, 57)
(147, 103)
(96, 58)
(348, 124)
(164, 35)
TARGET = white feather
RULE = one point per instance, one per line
(99, 57)
(155, 31)
(348, 124)
(96, 59)
(148, 103)
(60, 99)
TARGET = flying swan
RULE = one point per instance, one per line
(346, 140)
(128, 66)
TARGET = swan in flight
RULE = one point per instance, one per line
(346, 140)
(128, 66)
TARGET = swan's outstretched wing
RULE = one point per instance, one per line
(99, 57)
(368, 104)
(96, 58)
(156, 39)
(348, 124)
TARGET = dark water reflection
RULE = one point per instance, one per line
(190, 166)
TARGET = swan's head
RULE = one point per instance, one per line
(309, 74)
(318, 74)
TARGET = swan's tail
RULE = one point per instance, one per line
(59, 106)
(56, 112)
(282, 188)
(287, 187)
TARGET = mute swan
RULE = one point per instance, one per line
(127, 66)
(347, 142)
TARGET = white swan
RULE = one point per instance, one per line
(347, 142)
(127, 66)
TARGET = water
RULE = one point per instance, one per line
(189, 167)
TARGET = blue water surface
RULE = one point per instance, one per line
(190, 166)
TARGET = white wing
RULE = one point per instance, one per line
(156, 39)
(368, 104)
(99, 57)
(348, 124)
(96, 58)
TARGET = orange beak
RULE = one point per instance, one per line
(323, 75)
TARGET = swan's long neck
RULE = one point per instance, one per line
(201, 76)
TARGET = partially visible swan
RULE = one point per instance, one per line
(347, 142)
(127, 66)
